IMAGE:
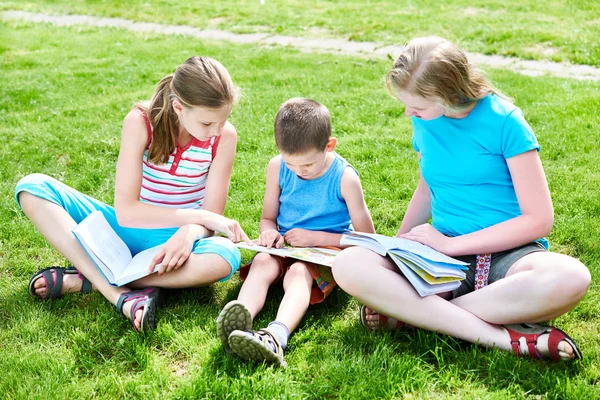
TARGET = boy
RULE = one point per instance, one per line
(312, 196)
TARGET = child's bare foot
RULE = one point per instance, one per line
(539, 341)
(375, 321)
(54, 281)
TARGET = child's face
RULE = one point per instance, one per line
(307, 166)
(203, 123)
(420, 107)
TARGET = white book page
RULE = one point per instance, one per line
(103, 268)
(391, 243)
(366, 240)
(138, 267)
(97, 235)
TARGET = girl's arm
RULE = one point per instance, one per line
(419, 208)
(133, 213)
(535, 221)
(219, 174)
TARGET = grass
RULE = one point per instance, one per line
(65, 93)
(557, 30)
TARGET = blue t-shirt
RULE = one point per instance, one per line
(463, 161)
(314, 204)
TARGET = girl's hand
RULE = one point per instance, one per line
(270, 238)
(175, 251)
(299, 237)
(429, 236)
(226, 226)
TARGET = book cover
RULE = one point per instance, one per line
(428, 270)
(316, 255)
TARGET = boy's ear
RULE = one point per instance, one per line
(331, 143)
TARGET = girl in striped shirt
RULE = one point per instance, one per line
(172, 180)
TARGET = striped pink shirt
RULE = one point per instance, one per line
(181, 182)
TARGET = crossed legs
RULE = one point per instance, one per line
(538, 287)
(55, 224)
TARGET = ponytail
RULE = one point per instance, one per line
(164, 122)
(200, 81)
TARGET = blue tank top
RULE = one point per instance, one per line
(315, 204)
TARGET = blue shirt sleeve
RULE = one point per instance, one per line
(517, 135)
(416, 132)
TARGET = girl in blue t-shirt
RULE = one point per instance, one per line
(483, 186)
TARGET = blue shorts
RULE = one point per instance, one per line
(79, 206)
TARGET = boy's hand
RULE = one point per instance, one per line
(270, 238)
(175, 251)
(299, 237)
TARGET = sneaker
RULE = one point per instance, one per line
(234, 316)
(259, 345)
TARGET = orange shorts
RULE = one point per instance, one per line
(323, 282)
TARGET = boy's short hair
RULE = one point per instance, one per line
(302, 125)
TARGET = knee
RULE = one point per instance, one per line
(25, 199)
(347, 267)
(577, 279)
(265, 265)
(28, 202)
(569, 278)
(298, 270)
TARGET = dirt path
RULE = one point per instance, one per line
(338, 46)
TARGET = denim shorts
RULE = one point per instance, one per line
(79, 206)
(500, 264)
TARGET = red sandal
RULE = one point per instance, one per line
(385, 323)
(528, 334)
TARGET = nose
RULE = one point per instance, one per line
(409, 112)
(216, 131)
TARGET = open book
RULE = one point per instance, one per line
(428, 270)
(110, 254)
(316, 255)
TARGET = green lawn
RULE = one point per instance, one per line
(559, 30)
(64, 94)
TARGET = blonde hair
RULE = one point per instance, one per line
(438, 70)
(302, 125)
(200, 81)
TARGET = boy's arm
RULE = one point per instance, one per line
(352, 192)
(268, 223)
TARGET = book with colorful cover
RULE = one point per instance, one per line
(316, 255)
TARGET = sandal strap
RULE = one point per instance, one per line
(271, 340)
(530, 334)
(554, 338)
(53, 284)
(86, 285)
(127, 297)
(146, 300)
